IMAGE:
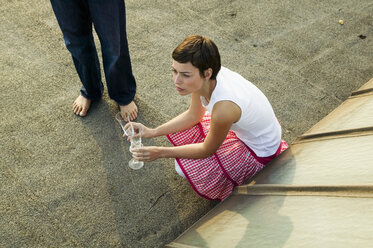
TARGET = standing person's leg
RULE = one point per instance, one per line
(75, 22)
(109, 19)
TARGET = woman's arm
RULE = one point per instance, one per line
(224, 114)
(185, 120)
(182, 122)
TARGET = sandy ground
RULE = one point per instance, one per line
(64, 180)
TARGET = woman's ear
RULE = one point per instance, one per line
(208, 73)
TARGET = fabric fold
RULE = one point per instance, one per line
(215, 177)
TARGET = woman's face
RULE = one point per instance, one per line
(187, 78)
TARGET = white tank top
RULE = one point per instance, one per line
(257, 127)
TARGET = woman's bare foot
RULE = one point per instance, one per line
(81, 105)
(129, 110)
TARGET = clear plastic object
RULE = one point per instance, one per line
(135, 142)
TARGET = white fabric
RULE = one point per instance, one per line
(178, 170)
(258, 127)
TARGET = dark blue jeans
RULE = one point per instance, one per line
(75, 18)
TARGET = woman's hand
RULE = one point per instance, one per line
(146, 153)
(140, 130)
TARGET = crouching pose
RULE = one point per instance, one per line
(228, 134)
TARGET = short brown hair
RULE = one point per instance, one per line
(201, 52)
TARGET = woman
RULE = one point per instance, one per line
(217, 149)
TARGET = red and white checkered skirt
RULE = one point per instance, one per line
(232, 164)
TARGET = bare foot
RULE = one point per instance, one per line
(81, 105)
(129, 110)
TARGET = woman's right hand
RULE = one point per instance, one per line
(140, 130)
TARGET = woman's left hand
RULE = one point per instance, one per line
(146, 153)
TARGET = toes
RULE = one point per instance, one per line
(79, 110)
(83, 112)
(133, 115)
(76, 109)
(81, 106)
(130, 111)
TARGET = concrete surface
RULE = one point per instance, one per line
(64, 180)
